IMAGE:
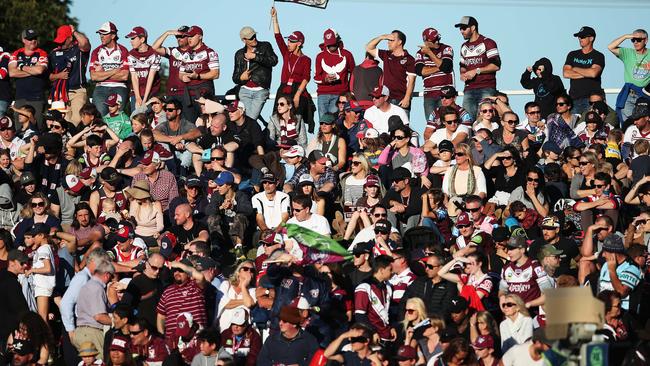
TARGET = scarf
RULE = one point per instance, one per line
(471, 181)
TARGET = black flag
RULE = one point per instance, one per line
(322, 4)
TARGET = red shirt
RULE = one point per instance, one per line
(523, 281)
(178, 299)
(142, 63)
(154, 352)
(201, 60)
(110, 59)
(434, 82)
(340, 63)
(373, 300)
(295, 68)
(174, 84)
(479, 53)
(397, 69)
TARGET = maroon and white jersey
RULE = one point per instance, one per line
(178, 299)
(372, 299)
(400, 282)
(201, 60)
(397, 69)
(434, 82)
(110, 59)
(174, 84)
(120, 257)
(143, 63)
(526, 281)
(477, 54)
(339, 63)
(481, 284)
(154, 353)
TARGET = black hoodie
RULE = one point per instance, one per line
(546, 88)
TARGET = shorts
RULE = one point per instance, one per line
(43, 291)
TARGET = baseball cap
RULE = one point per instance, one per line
(406, 352)
(585, 31)
(305, 179)
(317, 156)
(239, 317)
(352, 105)
(110, 175)
(371, 181)
(295, 150)
(463, 219)
(551, 222)
(137, 32)
(88, 173)
(62, 33)
(247, 33)
(445, 145)
(400, 174)
(120, 343)
(330, 37)
(394, 123)
(54, 115)
(107, 28)
(430, 35)
(363, 248)
(194, 30)
(232, 107)
(517, 242)
(328, 119)
(225, 177)
(124, 232)
(23, 347)
(193, 181)
(296, 36)
(167, 244)
(382, 226)
(448, 91)
(269, 177)
(549, 250)
(640, 111)
(500, 233)
(380, 91)
(27, 178)
(371, 133)
(17, 255)
(205, 263)
(613, 244)
(552, 147)
(29, 34)
(38, 228)
(73, 183)
(212, 107)
(483, 341)
(184, 323)
(6, 123)
(466, 21)
(150, 157)
(457, 304)
(113, 100)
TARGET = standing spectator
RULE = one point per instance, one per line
(253, 66)
(372, 299)
(399, 67)
(92, 308)
(144, 64)
(334, 66)
(635, 70)
(109, 68)
(6, 95)
(15, 305)
(285, 124)
(545, 84)
(197, 71)
(146, 346)
(296, 71)
(176, 55)
(479, 63)
(434, 62)
(68, 62)
(560, 125)
(28, 67)
(290, 346)
(584, 68)
(365, 77)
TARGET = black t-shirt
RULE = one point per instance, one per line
(5, 84)
(569, 251)
(143, 294)
(413, 202)
(352, 359)
(640, 167)
(504, 183)
(250, 137)
(581, 88)
(209, 141)
(185, 236)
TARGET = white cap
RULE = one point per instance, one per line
(305, 178)
(295, 150)
(210, 107)
(239, 317)
(371, 133)
(303, 304)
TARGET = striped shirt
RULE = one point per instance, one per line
(163, 189)
(177, 299)
(399, 283)
(479, 53)
(629, 275)
(434, 82)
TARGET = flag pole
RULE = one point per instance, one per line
(271, 20)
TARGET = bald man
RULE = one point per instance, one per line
(187, 230)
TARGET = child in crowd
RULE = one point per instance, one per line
(88, 354)
(109, 210)
(435, 216)
(43, 267)
(640, 165)
(371, 145)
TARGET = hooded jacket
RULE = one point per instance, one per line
(341, 63)
(546, 88)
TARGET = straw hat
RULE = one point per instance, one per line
(140, 190)
(87, 349)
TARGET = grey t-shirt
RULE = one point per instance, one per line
(185, 127)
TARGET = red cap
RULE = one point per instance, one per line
(73, 183)
(120, 343)
(107, 28)
(232, 107)
(430, 35)
(6, 122)
(87, 173)
(113, 100)
(137, 32)
(62, 33)
(330, 37)
(371, 181)
(296, 36)
(463, 219)
(184, 324)
(124, 233)
(150, 157)
(194, 30)
(406, 353)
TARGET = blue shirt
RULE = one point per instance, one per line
(627, 272)
(72, 59)
(69, 300)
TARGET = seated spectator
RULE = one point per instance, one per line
(382, 110)
(464, 178)
(302, 216)
(147, 213)
(37, 212)
(291, 345)
(404, 202)
(240, 340)
(229, 210)
(329, 143)
(285, 125)
(361, 217)
(517, 327)
(238, 293)
(271, 205)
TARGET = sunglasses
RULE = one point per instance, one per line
(641, 222)
(268, 182)
(532, 179)
(508, 304)
(297, 209)
(462, 226)
(181, 36)
(599, 185)
(358, 340)
(135, 333)
(399, 137)
(583, 163)
(561, 104)
(510, 122)
(55, 127)
(356, 163)
(637, 39)
(410, 311)
(38, 204)
(431, 266)
(170, 109)
(460, 154)
(247, 269)
(463, 28)
(217, 158)
(452, 121)
(501, 158)
(477, 209)
(340, 102)
(487, 111)
(448, 97)
(358, 255)
(378, 232)
(155, 268)
(380, 215)
(534, 112)
(282, 104)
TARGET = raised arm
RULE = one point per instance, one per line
(371, 47)
(613, 47)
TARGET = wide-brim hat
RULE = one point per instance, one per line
(140, 190)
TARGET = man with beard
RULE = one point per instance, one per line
(360, 339)
(592, 243)
(184, 295)
(175, 86)
(109, 68)
(551, 235)
(434, 62)
(146, 347)
(549, 257)
(448, 95)
(186, 229)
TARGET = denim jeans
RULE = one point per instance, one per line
(626, 112)
(253, 100)
(580, 105)
(101, 93)
(327, 104)
(473, 97)
(430, 105)
(4, 104)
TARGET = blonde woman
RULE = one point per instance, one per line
(414, 312)
(464, 178)
(147, 212)
(430, 346)
(482, 323)
(517, 325)
(238, 292)
(485, 118)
